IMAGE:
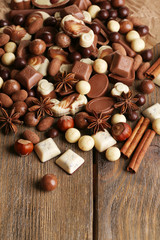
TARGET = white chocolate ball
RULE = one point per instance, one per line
(1, 82)
(93, 10)
(138, 45)
(118, 118)
(113, 154)
(72, 135)
(100, 66)
(86, 143)
(10, 47)
(83, 87)
(132, 35)
(156, 125)
(8, 58)
(113, 26)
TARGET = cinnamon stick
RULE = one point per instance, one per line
(154, 70)
(135, 137)
(140, 151)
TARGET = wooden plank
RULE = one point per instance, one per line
(28, 213)
(127, 205)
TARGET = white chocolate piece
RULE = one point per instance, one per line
(10, 47)
(87, 60)
(86, 39)
(57, 16)
(119, 88)
(113, 154)
(87, 16)
(101, 49)
(116, 118)
(157, 80)
(83, 87)
(41, 2)
(66, 68)
(46, 150)
(93, 11)
(152, 112)
(86, 143)
(100, 66)
(156, 125)
(45, 87)
(44, 67)
(8, 58)
(113, 26)
(132, 35)
(43, 14)
(69, 161)
(27, 37)
(1, 82)
(103, 140)
(138, 45)
(72, 135)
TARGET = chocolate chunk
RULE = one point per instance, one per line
(44, 4)
(83, 5)
(99, 84)
(121, 65)
(74, 10)
(82, 70)
(101, 104)
(29, 77)
(128, 81)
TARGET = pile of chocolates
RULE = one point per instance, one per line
(64, 61)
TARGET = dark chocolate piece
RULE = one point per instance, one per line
(128, 81)
(41, 31)
(73, 10)
(82, 70)
(99, 84)
(29, 77)
(121, 65)
(101, 104)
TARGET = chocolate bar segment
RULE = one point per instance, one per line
(73, 10)
(82, 70)
(128, 81)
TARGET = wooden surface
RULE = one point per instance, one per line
(100, 201)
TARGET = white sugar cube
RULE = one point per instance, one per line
(46, 150)
(103, 140)
(70, 161)
(152, 112)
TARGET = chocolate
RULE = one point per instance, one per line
(40, 34)
(74, 10)
(128, 81)
(83, 5)
(82, 70)
(99, 85)
(121, 65)
(102, 105)
(22, 50)
(28, 77)
(47, 4)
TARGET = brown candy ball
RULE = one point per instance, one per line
(20, 107)
(123, 12)
(20, 63)
(147, 55)
(147, 87)
(30, 119)
(132, 116)
(52, 133)
(49, 182)
(141, 99)
(125, 26)
(81, 120)
(105, 5)
(11, 86)
(114, 37)
(117, 3)
(62, 40)
(142, 30)
(37, 47)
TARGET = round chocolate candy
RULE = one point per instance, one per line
(147, 86)
(19, 19)
(86, 52)
(52, 133)
(141, 99)
(3, 23)
(103, 14)
(20, 107)
(132, 116)
(101, 82)
(81, 121)
(101, 104)
(95, 27)
(20, 63)
(10, 86)
(75, 56)
(105, 5)
(49, 182)
(113, 14)
(117, 3)
(114, 37)
(4, 73)
(47, 37)
(142, 30)
(123, 12)
(147, 55)
(51, 21)
(62, 40)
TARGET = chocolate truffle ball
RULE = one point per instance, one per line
(52, 133)
(125, 26)
(114, 37)
(142, 30)
(20, 63)
(86, 52)
(20, 107)
(147, 55)
(105, 5)
(47, 37)
(4, 73)
(132, 116)
(103, 14)
(75, 56)
(30, 119)
(19, 19)
(95, 27)
(11, 86)
(117, 3)
(141, 99)
(37, 47)
(123, 12)
(50, 21)
(49, 182)
(147, 87)
(3, 23)
(81, 121)
(62, 40)
(113, 14)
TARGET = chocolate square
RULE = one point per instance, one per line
(121, 65)
(82, 70)
(28, 77)
(73, 10)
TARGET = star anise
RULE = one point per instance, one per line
(98, 122)
(126, 102)
(42, 107)
(8, 121)
(65, 83)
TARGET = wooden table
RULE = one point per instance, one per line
(100, 201)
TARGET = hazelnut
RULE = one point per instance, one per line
(65, 123)
(83, 87)
(86, 143)
(23, 147)
(93, 10)
(100, 66)
(138, 45)
(72, 135)
(113, 154)
(11, 86)
(8, 58)
(113, 26)
(62, 40)
(132, 35)
(37, 47)
(10, 47)
(125, 26)
(30, 119)
(20, 107)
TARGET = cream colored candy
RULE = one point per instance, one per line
(86, 143)
(156, 125)
(69, 161)
(113, 26)
(132, 35)
(153, 112)
(44, 67)
(100, 66)
(43, 14)
(138, 45)
(87, 16)
(101, 50)
(113, 154)
(66, 68)
(119, 88)
(83, 87)
(116, 118)
(1, 82)
(8, 58)
(103, 140)
(72, 135)
(45, 87)
(86, 39)
(10, 47)
(93, 10)
(46, 150)
(87, 60)
(157, 80)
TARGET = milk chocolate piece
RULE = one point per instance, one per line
(128, 81)
(121, 65)
(99, 84)
(83, 5)
(101, 104)
(74, 10)
(29, 77)
(82, 70)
